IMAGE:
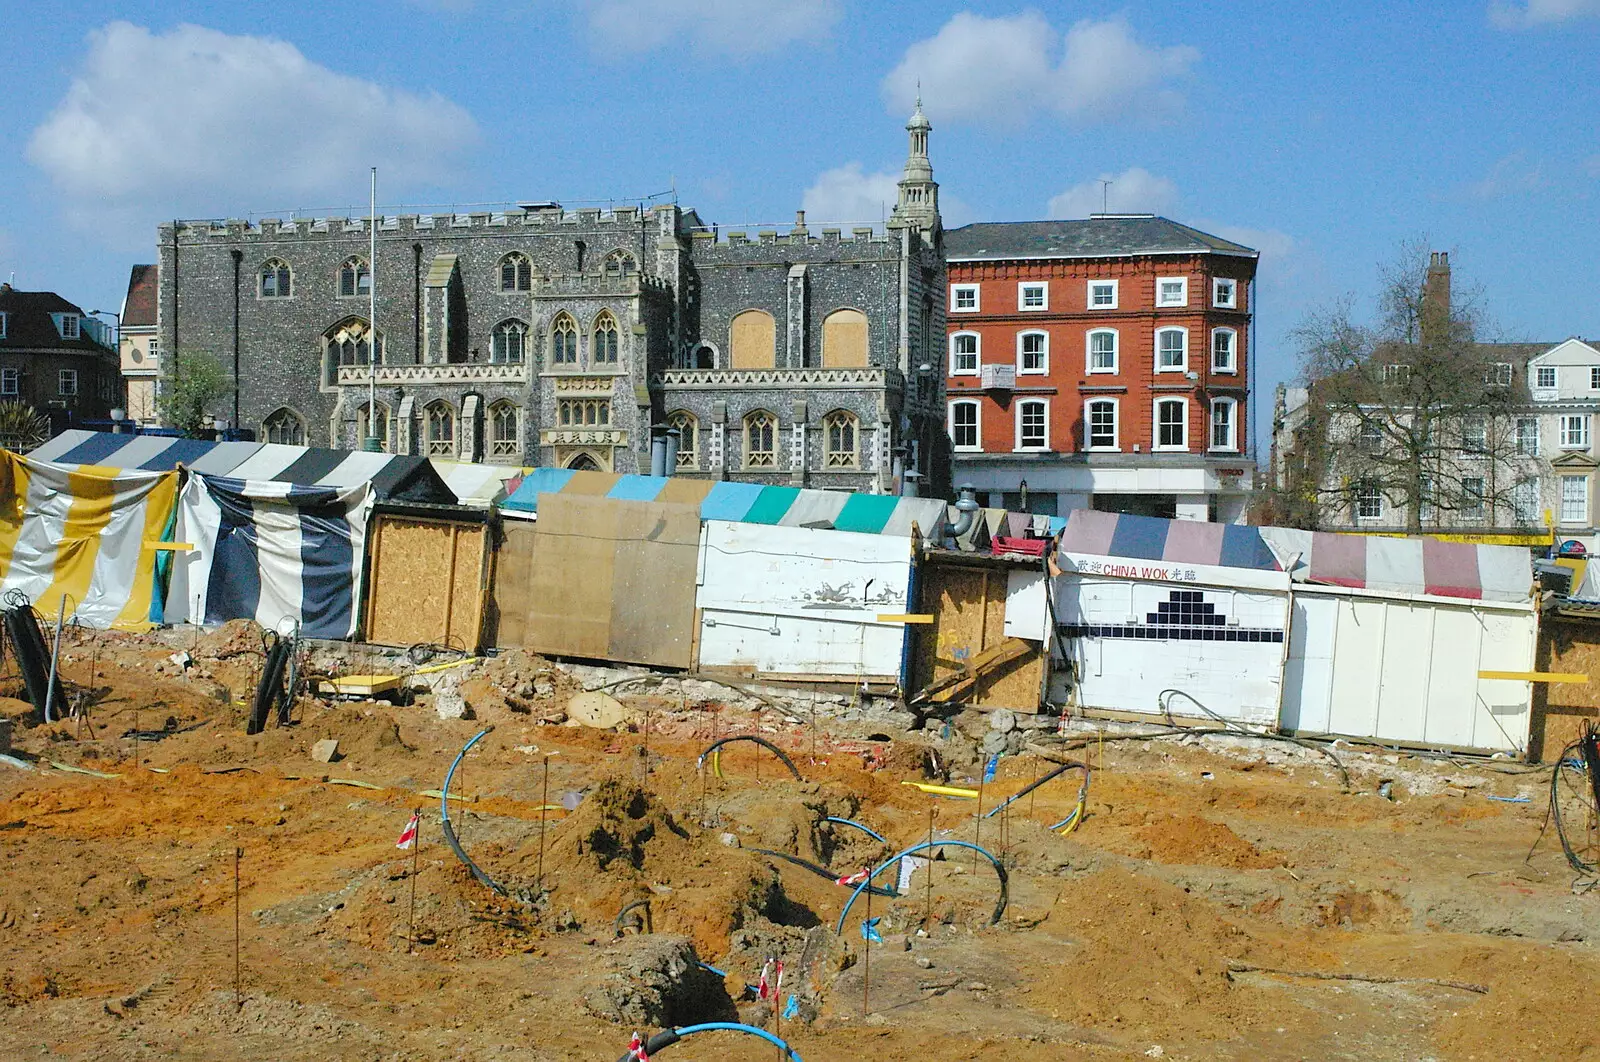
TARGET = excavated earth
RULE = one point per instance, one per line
(1182, 919)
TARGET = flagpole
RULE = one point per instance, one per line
(416, 852)
(372, 442)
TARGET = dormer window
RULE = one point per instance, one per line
(1545, 377)
(67, 325)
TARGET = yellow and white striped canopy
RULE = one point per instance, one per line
(84, 532)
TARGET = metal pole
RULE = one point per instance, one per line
(411, 919)
(927, 917)
(544, 802)
(238, 991)
(372, 325)
(55, 658)
(977, 824)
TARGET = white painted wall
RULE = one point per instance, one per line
(1124, 660)
(801, 602)
(1405, 669)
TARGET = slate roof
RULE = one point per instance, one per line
(139, 308)
(1102, 236)
(29, 325)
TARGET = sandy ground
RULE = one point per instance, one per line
(1126, 939)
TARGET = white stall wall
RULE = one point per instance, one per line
(1404, 670)
(1138, 628)
(801, 602)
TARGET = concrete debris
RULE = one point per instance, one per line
(598, 710)
(1002, 720)
(325, 751)
(448, 703)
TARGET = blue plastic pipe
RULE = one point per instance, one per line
(913, 850)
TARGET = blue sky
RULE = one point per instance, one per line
(1323, 134)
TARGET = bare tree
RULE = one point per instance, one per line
(1410, 413)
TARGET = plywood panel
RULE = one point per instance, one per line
(512, 583)
(844, 339)
(469, 576)
(753, 340)
(1358, 648)
(1559, 710)
(1504, 708)
(426, 582)
(569, 600)
(969, 610)
(653, 582)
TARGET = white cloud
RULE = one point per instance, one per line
(1134, 190)
(194, 120)
(738, 27)
(1510, 175)
(1522, 14)
(1002, 70)
(845, 195)
(1277, 248)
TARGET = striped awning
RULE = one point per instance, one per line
(1422, 566)
(394, 477)
(750, 503)
(1404, 565)
(1152, 538)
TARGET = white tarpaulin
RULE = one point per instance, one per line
(802, 602)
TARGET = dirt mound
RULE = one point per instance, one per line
(1520, 1018)
(622, 845)
(1158, 958)
(1188, 840)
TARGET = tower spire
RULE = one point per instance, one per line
(918, 206)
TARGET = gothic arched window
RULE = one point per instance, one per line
(605, 340)
(516, 272)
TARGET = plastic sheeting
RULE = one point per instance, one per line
(273, 552)
(85, 534)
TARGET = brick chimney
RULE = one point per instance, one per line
(1435, 310)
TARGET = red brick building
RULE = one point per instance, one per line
(1102, 364)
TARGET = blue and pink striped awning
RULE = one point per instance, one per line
(1151, 538)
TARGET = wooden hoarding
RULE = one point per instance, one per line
(428, 581)
(602, 579)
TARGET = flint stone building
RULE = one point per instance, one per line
(566, 338)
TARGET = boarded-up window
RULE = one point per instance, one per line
(844, 340)
(753, 340)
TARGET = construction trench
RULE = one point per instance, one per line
(623, 857)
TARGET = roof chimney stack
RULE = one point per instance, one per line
(1434, 320)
